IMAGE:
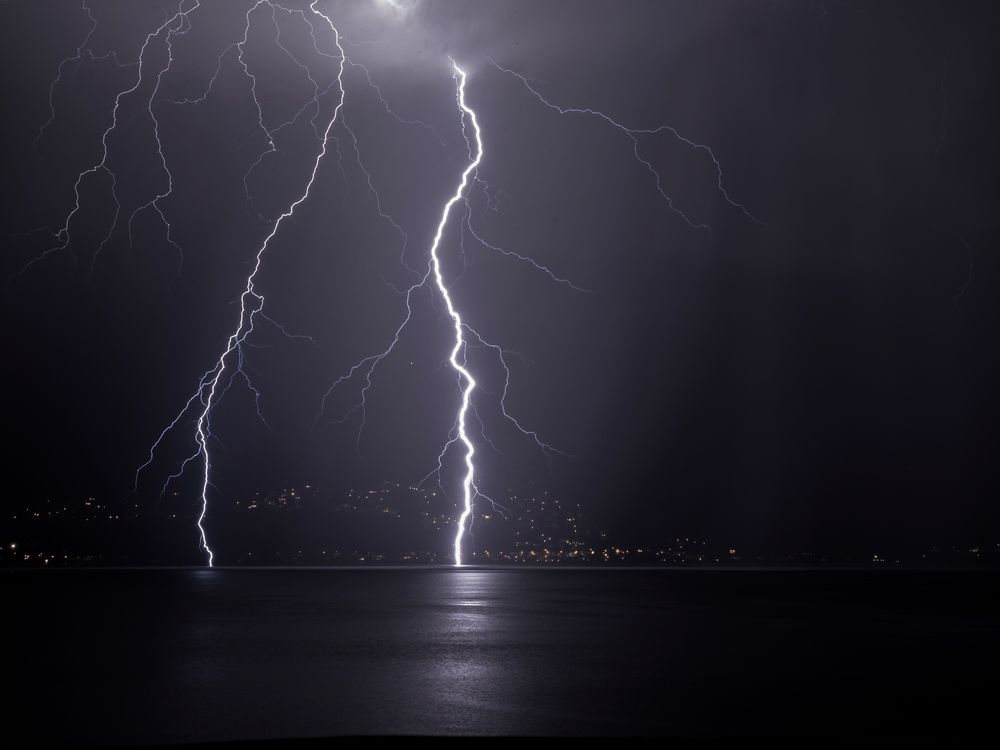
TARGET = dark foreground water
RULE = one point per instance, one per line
(160, 656)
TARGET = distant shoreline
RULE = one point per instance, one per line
(774, 568)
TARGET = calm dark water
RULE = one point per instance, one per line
(163, 656)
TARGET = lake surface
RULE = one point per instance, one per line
(165, 656)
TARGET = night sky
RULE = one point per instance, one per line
(825, 378)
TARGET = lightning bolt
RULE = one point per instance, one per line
(468, 482)
(458, 356)
(232, 365)
(208, 392)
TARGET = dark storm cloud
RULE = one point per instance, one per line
(827, 379)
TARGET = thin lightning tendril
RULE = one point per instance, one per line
(389, 110)
(633, 135)
(62, 235)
